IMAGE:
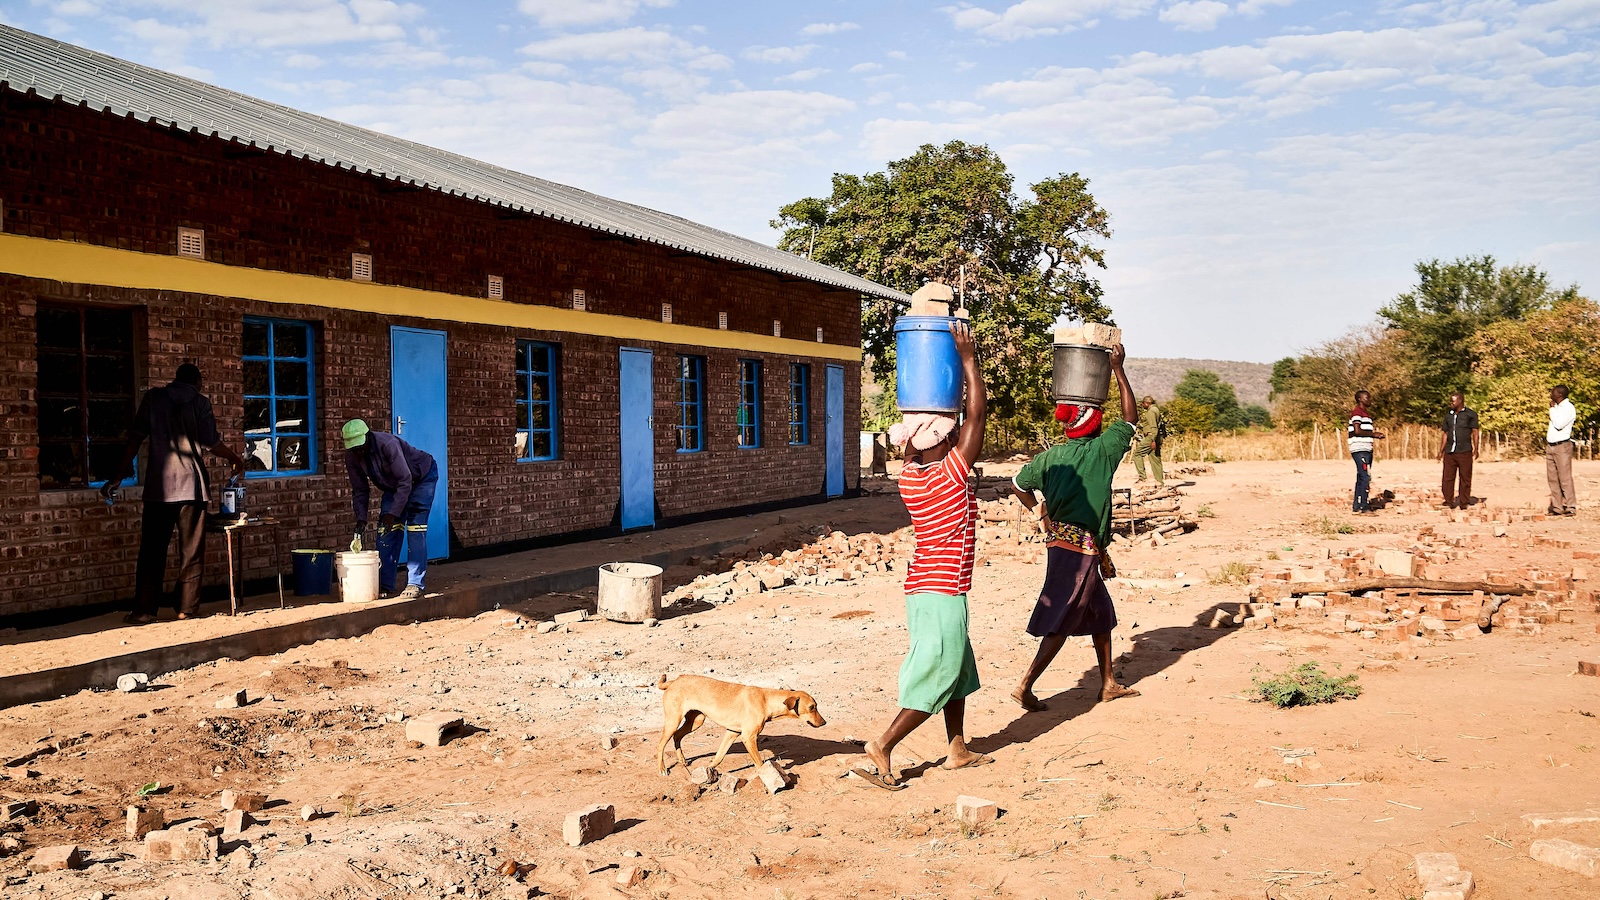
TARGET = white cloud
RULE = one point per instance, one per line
(578, 13)
(864, 68)
(821, 28)
(635, 44)
(802, 75)
(1034, 18)
(1195, 15)
(302, 61)
(1257, 7)
(786, 55)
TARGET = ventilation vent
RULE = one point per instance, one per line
(361, 266)
(192, 243)
(777, 328)
(666, 313)
(497, 287)
(722, 321)
(579, 301)
(819, 334)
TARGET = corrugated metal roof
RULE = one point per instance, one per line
(57, 70)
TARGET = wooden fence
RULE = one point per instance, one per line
(1403, 442)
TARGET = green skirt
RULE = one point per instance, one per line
(940, 667)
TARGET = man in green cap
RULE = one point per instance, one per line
(407, 477)
(1152, 429)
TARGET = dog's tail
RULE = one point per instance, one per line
(661, 684)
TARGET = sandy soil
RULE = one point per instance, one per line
(1179, 792)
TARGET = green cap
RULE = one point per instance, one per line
(355, 433)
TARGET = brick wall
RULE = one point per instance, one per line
(64, 547)
(73, 174)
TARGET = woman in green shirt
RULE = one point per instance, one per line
(1075, 478)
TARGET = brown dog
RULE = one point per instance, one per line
(688, 700)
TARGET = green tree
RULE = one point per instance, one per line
(1327, 377)
(1520, 360)
(1254, 415)
(1283, 375)
(1439, 317)
(1185, 416)
(1208, 389)
(950, 214)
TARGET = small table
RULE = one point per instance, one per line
(228, 527)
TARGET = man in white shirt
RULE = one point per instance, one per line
(1558, 453)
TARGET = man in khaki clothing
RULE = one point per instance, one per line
(1152, 428)
(1558, 453)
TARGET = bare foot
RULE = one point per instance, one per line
(1116, 692)
(880, 760)
(1029, 702)
(960, 757)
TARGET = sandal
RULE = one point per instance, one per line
(876, 780)
(138, 618)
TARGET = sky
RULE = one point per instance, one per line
(1273, 168)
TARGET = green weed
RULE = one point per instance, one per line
(1231, 573)
(1306, 685)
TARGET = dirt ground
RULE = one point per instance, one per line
(1181, 792)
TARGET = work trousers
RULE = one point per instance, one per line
(1457, 465)
(1142, 451)
(1558, 469)
(410, 532)
(1363, 461)
(155, 533)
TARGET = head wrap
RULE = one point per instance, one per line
(1078, 421)
(921, 430)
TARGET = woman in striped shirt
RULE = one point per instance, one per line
(939, 492)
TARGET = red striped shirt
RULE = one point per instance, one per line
(943, 501)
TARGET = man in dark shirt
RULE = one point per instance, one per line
(179, 423)
(1458, 449)
(407, 477)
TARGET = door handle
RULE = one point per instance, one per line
(650, 422)
(399, 425)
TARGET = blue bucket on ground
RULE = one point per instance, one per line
(927, 367)
(313, 572)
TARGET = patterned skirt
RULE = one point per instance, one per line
(1074, 599)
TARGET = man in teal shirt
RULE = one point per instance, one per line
(1075, 478)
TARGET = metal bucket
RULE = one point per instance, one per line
(1082, 374)
(629, 592)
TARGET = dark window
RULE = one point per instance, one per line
(279, 397)
(749, 403)
(86, 393)
(799, 403)
(691, 404)
(537, 410)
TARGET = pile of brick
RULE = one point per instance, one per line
(1400, 613)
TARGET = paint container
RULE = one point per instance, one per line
(313, 572)
(358, 575)
(233, 499)
(927, 368)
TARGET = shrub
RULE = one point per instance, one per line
(1306, 685)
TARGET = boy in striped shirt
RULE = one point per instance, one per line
(1359, 435)
(939, 492)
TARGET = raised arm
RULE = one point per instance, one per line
(1130, 405)
(970, 442)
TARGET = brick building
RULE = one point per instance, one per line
(577, 364)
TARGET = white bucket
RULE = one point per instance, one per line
(358, 575)
(630, 592)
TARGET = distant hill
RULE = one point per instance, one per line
(1157, 377)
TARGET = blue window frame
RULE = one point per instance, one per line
(799, 403)
(538, 409)
(691, 404)
(279, 397)
(749, 403)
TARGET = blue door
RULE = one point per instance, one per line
(417, 392)
(835, 431)
(638, 439)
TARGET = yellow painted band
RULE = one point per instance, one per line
(77, 263)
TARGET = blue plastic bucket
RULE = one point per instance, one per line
(313, 572)
(927, 368)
